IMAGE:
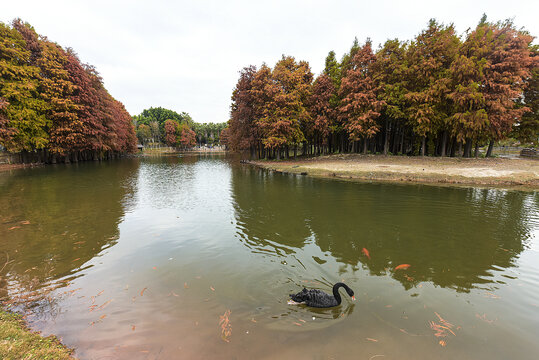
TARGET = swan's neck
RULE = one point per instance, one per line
(336, 294)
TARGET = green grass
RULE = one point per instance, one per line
(18, 342)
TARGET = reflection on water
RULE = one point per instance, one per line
(139, 258)
(454, 237)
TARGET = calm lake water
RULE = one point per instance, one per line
(139, 259)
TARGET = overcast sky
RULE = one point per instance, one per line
(185, 55)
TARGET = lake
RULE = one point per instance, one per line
(193, 257)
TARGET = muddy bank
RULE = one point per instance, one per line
(522, 173)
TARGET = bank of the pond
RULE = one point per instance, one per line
(18, 342)
(6, 167)
(459, 171)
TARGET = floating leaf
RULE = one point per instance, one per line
(14, 227)
(104, 305)
(371, 339)
(212, 289)
(366, 253)
(142, 292)
(226, 327)
(402, 267)
(185, 285)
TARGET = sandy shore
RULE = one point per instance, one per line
(459, 171)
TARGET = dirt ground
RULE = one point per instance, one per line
(490, 172)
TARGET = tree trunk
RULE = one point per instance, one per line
(476, 152)
(423, 143)
(444, 143)
(467, 148)
(365, 145)
(490, 146)
(386, 137)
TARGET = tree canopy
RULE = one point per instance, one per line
(52, 106)
(437, 94)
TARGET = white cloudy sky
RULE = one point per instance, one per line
(185, 55)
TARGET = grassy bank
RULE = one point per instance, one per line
(18, 342)
(522, 173)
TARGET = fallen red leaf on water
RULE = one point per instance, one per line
(154, 268)
(253, 320)
(173, 293)
(226, 327)
(133, 328)
(75, 259)
(443, 343)
(103, 316)
(25, 222)
(366, 252)
(101, 292)
(373, 340)
(491, 295)
(302, 320)
(402, 267)
(14, 227)
(92, 323)
(105, 304)
(212, 289)
(142, 292)
(298, 324)
(79, 242)
(388, 306)
(185, 285)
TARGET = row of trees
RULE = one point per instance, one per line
(160, 125)
(209, 134)
(52, 106)
(439, 94)
(150, 124)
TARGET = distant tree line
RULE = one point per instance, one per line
(440, 94)
(209, 134)
(160, 125)
(52, 106)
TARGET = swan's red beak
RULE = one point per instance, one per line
(354, 298)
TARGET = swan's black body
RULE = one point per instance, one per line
(319, 299)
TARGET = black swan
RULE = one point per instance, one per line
(319, 299)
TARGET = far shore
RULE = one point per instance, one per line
(492, 172)
(7, 167)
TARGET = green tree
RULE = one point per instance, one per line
(26, 124)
